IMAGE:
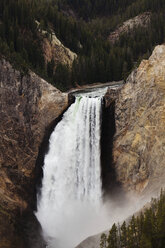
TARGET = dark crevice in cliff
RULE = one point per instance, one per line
(43, 149)
(111, 187)
(28, 227)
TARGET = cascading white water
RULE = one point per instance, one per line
(71, 194)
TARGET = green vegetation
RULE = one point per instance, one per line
(18, 34)
(147, 230)
(83, 26)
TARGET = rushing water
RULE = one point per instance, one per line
(71, 194)
(70, 206)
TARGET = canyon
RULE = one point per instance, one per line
(30, 108)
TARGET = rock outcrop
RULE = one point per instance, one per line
(28, 105)
(139, 142)
(141, 20)
(91, 242)
(53, 49)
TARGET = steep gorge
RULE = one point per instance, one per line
(29, 106)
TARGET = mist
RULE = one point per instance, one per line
(69, 226)
(71, 206)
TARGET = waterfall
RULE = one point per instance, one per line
(71, 195)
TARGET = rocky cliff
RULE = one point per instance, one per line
(53, 49)
(139, 142)
(28, 106)
(141, 20)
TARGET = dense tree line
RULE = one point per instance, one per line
(89, 9)
(147, 230)
(18, 33)
(98, 60)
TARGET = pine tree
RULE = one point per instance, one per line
(144, 242)
(123, 235)
(103, 240)
(112, 238)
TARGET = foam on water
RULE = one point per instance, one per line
(71, 195)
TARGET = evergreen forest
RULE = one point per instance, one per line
(147, 230)
(83, 26)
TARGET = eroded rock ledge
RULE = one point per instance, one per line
(28, 106)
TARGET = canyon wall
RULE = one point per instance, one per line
(139, 142)
(28, 107)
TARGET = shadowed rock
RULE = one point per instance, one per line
(28, 105)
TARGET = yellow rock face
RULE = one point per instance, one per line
(139, 144)
(54, 49)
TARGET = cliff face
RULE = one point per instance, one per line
(141, 20)
(139, 142)
(28, 105)
(54, 49)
